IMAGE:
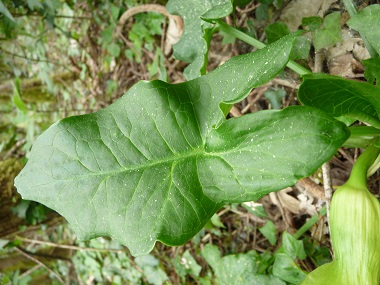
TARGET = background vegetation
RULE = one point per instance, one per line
(63, 58)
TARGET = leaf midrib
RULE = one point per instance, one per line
(138, 167)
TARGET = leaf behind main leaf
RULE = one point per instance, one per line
(159, 162)
(338, 96)
(365, 21)
(194, 43)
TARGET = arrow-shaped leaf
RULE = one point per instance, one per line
(159, 162)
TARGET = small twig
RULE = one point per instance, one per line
(260, 92)
(141, 9)
(247, 9)
(30, 271)
(318, 61)
(327, 185)
(276, 201)
(17, 15)
(14, 148)
(28, 256)
(346, 156)
(32, 59)
(73, 247)
(328, 189)
(286, 83)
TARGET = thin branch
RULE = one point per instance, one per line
(18, 15)
(145, 8)
(72, 247)
(74, 17)
(328, 189)
(32, 59)
(28, 256)
(14, 148)
(30, 271)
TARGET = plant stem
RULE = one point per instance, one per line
(32, 59)
(361, 136)
(358, 176)
(351, 9)
(306, 226)
(258, 44)
(364, 131)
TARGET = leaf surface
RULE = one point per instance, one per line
(278, 30)
(160, 161)
(237, 269)
(330, 33)
(287, 269)
(367, 22)
(293, 247)
(372, 70)
(338, 96)
(194, 42)
(5, 12)
(312, 23)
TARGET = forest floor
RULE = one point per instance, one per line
(93, 75)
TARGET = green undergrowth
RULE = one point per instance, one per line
(198, 262)
(148, 174)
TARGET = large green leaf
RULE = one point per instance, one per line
(367, 22)
(338, 96)
(194, 43)
(159, 162)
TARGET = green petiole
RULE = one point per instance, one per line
(311, 222)
(361, 136)
(258, 44)
(358, 176)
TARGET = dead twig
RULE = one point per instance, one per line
(311, 187)
(72, 247)
(145, 8)
(28, 256)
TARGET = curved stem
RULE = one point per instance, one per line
(361, 136)
(358, 176)
(364, 131)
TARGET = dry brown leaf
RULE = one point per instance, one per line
(173, 33)
(289, 202)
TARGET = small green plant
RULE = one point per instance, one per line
(159, 162)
